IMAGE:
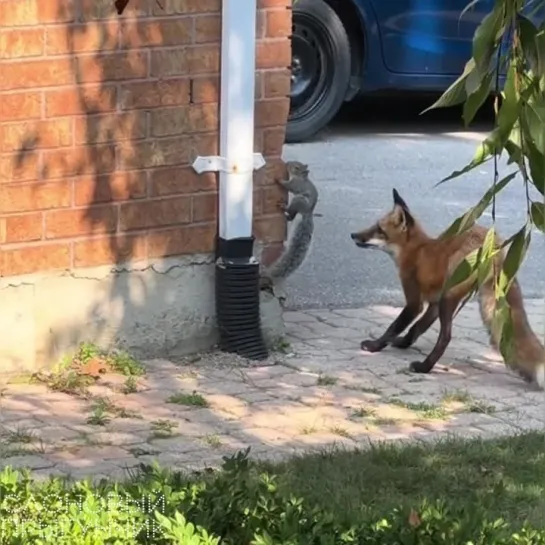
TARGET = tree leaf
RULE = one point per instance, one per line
(456, 93)
(514, 259)
(535, 117)
(476, 99)
(488, 252)
(467, 220)
(486, 37)
(502, 323)
(510, 107)
(464, 270)
(536, 162)
(527, 35)
(537, 212)
(540, 48)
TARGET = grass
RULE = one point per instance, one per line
(326, 380)
(191, 400)
(163, 429)
(75, 373)
(481, 407)
(457, 396)
(364, 412)
(130, 386)
(426, 411)
(506, 476)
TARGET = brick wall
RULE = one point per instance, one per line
(101, 117)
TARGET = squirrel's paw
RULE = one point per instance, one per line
(265, 283)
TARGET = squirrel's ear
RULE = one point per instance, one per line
(398, 201)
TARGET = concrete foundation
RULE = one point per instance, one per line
(160, 309)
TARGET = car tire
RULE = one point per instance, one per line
(320, 68)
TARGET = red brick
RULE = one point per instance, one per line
(258, 139)
(141, 215)
(64, 163)
(93, 10)
(190, 60)
(23, 228)
(80, 221)
(34, 196)
(273, 54)
(184, 120)
(274, 141)
(158, 33)
(113, 66)
(36, 73)
(271, 197)
(43, 258)
(270, 228)
(189, 239)
(17, 167)
(15, 44)
(120, 186)
(36, 134)
(183, 7)
(61, 40)
(271, 252)
(97, 129)
(171, 181)
(207, 29)
(151, 94)
(106, 250)
(33, 12)
(260, 24)
(275, 168)
(272, 112)
(277, 83)
(278, 23)
(178, 150)
(261, 4)
(257, 202)
(205, 207)
(83, 100)
(205, 89)
(15, 106)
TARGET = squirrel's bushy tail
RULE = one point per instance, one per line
(296, 251)
(529, 353)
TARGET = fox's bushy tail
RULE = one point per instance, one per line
(529, 353)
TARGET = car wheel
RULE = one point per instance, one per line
(320, 68)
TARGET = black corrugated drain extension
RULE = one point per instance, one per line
(237, 299)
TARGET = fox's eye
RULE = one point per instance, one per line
(380, 231)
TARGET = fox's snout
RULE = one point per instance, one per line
(354, 236)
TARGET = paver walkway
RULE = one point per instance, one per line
(324, 390)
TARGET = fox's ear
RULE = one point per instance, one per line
(398, 201)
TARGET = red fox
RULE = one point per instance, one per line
(424, 265)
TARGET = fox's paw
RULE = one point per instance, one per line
(402, 342)
(419, 367)
(372, 345)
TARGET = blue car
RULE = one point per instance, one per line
(345, 48)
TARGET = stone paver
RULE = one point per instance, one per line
(324, 392)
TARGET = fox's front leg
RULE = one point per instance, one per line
(419, 328)
(406, 316)
(446, 314)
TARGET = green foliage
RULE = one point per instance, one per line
(240, 505)
(504, 38)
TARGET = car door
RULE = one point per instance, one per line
(428, 36)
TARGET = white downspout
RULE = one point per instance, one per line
(237, 159)
(237, 272)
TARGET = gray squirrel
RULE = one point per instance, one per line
(305, 198)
